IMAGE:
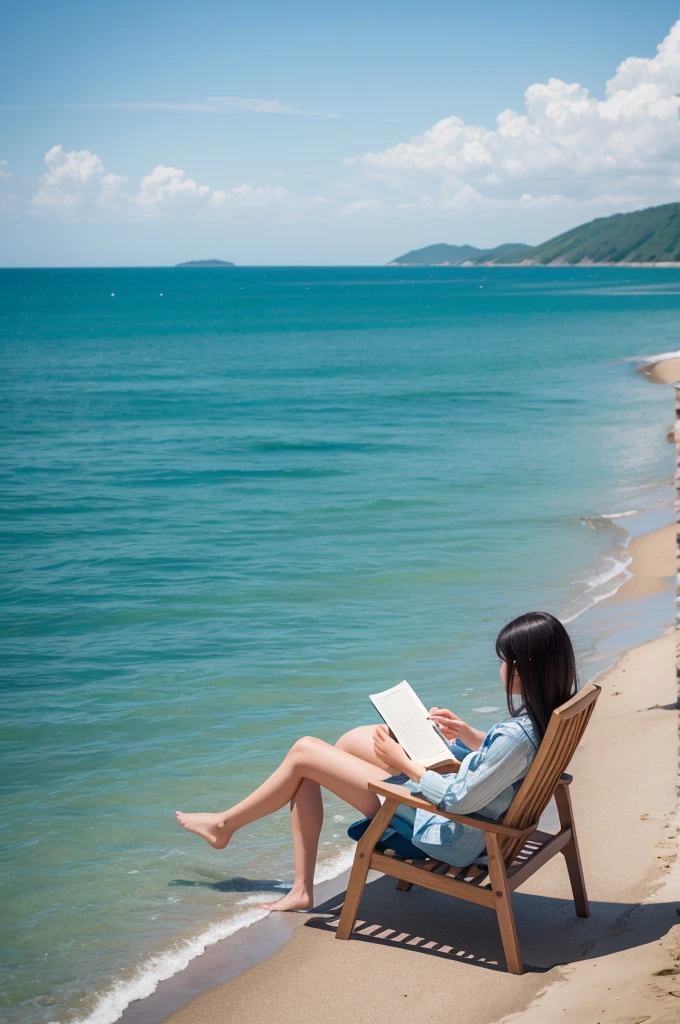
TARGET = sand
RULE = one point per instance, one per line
(652, 565)
(420, 957)
(666, 371)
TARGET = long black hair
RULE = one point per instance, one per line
(536, 646)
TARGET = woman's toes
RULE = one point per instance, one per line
(208, 826)
(291, 901)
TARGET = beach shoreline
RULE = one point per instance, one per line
(259, 945)
(310, 960)
(652, 555)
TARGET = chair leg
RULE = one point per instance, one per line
(403, 886)
(503, 905)
(360, 868)
(571, 852)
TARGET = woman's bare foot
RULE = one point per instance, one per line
(210, 827)
(296, 899)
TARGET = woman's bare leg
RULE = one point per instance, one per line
(309, 759)
(359, 742)
(306, 817)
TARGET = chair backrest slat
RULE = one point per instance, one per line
(565, 730)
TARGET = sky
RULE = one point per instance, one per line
(149, 133)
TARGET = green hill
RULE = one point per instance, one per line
(646, 236)
(436, 255)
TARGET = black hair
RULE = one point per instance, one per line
(536, 646)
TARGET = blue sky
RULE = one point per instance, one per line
(151, 133)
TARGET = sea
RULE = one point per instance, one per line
(236, 502)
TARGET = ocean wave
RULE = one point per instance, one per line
(600, 597)
(617, 515)
(260, 897)
(335, 865)
(648, 360)
(617, 570)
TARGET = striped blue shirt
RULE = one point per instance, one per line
(485, 784)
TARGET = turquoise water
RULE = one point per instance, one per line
(236, 502)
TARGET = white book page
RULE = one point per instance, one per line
(406, 715)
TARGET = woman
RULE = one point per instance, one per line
(538, 673)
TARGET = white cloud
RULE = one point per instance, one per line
(567, 143)
(251, 195)
(66, 173)
(112, 182)
(4, 173)
(55, 199)
(166, 184)
(78, 179)
(265, 106)
(662, 70)
(362, 206)
(211, 105)
(110, 194)
(77, 165)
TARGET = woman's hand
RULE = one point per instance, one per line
(391, 753)
(454, 728)
(449, 724)
(388, 750)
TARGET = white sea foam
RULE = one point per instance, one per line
(155, 969)
(616, 572)
(162, 966)
(586, 608)
(261, 897)
(485, 711)
(648, 360)
(616, 515)
(335, 865)
(616, 567)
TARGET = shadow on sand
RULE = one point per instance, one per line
(550, 933)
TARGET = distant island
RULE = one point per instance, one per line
(646, 237)
(206, 263)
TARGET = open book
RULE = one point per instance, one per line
(406, 715)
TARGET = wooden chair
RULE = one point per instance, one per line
(516, 848)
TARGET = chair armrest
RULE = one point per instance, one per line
(565, 780)
(447, 768)
(404, 796)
